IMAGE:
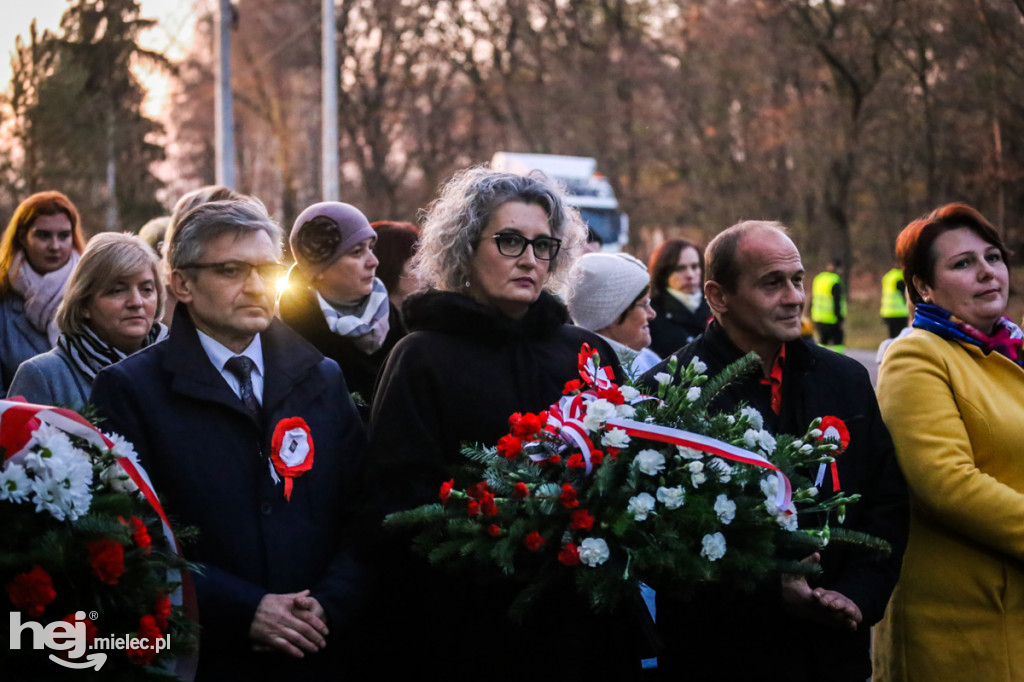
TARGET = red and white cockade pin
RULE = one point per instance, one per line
(291, 452)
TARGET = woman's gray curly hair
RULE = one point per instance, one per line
(453, 223)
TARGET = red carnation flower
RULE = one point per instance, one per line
(106, 557)
(572, 387)
(528, 426)
(487, 505)
(473, 508)
(596, 457)
(521, 490)
(612, 394)
(513, 419)
(581, 520)
(576, 461)
(149, 632)
(509, 447)
(493, 530)
(446, 490)
(30, 592)
(568, 497)
(613, 452)
(162, 610)
(534, 541)
(140, 534)
(477, 490)
(570, 555)
(555, 459)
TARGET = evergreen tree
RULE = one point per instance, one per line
(80, 122)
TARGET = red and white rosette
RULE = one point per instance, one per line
(291, 452)
(833, 430)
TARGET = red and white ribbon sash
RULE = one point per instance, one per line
(16, 419)
(711, 446)
(566, 419)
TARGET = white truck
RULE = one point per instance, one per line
(587, 190)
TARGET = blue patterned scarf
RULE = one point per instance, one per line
(1006, 340)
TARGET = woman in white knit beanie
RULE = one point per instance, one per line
(609, 294)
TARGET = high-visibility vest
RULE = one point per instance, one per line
(894, 303)
(823, 307)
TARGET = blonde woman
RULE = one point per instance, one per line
(109, 311)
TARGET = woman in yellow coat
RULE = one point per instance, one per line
(952, 394)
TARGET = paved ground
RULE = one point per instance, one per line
(866, 358)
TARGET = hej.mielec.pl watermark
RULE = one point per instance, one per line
(72, 638)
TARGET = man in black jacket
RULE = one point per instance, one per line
(796, 628)
(250, 435)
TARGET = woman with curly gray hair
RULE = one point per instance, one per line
(486, 340)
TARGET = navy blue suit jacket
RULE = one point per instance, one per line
(208, 461)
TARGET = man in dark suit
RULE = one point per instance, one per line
(796, 629)
(250, 435)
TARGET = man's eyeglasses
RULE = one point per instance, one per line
(239, 270)
(513, 245)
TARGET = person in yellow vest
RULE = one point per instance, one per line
(828, 307)
(894, 302)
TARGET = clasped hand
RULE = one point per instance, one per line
(293, 623)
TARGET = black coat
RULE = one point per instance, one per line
(300, 310)
(816, 382)
(207, 459)
(456, 378)
(676, 325)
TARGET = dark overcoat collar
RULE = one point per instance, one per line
(287, 359)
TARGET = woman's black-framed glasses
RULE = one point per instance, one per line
(513, 245)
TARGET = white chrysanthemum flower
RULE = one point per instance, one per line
(61, 482)
(689, 453)
(117, 480)
(713, 546)
(722, 468)
(697, 366)
(615, 438)
(672, 498)
(599, 411)
(725, 508)
(753, 417)
(640, 506)
(729, 419)
(594, 551)
(629, 394)
(122, 447)
(625, 411)
(770, 487)
(15, 485)
(50, 438)
(650, 462)
(693, 394)
(663, 378)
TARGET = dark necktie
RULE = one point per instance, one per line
(242, 367)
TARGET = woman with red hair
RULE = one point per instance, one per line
(952, 395)
(38, 251)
